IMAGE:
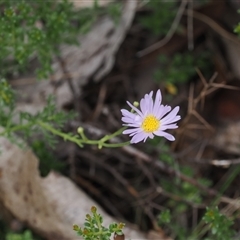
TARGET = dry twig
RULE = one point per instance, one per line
(170, 33)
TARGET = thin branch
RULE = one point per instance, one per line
(170, 33)
(190, 26)
(214, 25)
(172, 172)
(69, 79)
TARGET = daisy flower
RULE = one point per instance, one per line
(151, 119)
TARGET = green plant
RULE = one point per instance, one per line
(182, 196)
(161, 17)
(237, 28)
(94, 230)
(220, 227)
(47, 160)
(164, 217)
(180, 67)
(28, 124)
(30, 29)
(26, 235)
(34, 29)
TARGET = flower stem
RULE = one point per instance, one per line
(80, 142)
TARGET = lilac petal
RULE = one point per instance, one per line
(165, 127)
(129, 125)
(143, 106)
(157, 102)
(144, 140)
(151, 135)
(163, 110)
(138, 138)
(128, 131)
(171, 117)
(149, 95)
(131, 131)
(150, 104)
(135, 109)
(168, 136)
(136, 120)
(173, 120)
(128, 120)
(126, 113)
(158, 96)
(145, 101)
(134, 125)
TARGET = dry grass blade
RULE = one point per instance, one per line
(214, 25)
(190, 99)
(223, 85)
(202, 120)
(173, 172)
(170, 33)
(225, 162)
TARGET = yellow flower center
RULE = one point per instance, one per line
(150, 124)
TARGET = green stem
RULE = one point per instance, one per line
(200, 230)
(15, 128)
(118, 132)
(60, 134)
(99, 225)
(115, 145)
(101, 143)
(80, 142)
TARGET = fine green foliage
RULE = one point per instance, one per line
(94, 229)
(30, 29)
(180, 67)
(48, 160)
(237, 28)
(167, 221)
(26, 235)
(32, 124)
(161, 17)
(114, 11)
(219, 225)
(36, 29)
(6, 95)
(183, 195)
(164, 217)
(7, 104)
(214, 225)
